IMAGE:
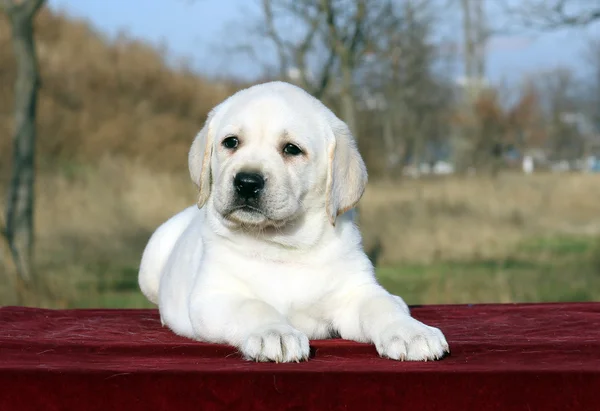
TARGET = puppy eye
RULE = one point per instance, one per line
(231, 142)
(291, 150)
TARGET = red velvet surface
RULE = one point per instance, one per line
(504, 357)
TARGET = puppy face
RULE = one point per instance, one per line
(265, 160)
(271, 153)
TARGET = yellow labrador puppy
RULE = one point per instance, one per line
(270, 256)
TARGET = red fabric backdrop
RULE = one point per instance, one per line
(504, 357)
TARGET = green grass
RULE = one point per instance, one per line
(559, 246)
(115, 299)
(538, 270)
(113, 286)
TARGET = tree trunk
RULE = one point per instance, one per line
(389, 143)
(20, 197)
(347, 97)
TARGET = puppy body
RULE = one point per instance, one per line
(291, 267)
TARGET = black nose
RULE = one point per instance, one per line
(249, 185)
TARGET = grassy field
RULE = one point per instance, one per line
(455, 240)
(545, 269)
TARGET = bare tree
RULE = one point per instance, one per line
(559, 92)
(592, 60)
(479, 125)
(18, 229)
(525, 120)
(407, 92)
(321, 43)
(553, 14)
(294, 51)
(475, 37)
(346, 38)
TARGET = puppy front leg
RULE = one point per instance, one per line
(369, 313)
(257, 329)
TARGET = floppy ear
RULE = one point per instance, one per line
(347, 173)
(199, 160)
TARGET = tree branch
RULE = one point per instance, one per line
(303, 48)
(7, 6)
(325, 76)
(359, 20)
(334, 38)
(271, 33)
(554, 14)
(32, 6)
(21, 9)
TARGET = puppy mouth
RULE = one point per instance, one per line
(245, 214)
(247, 208)
(249, 216)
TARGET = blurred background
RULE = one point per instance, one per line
(479, 121)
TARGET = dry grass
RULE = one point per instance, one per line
(466, 218)
(92, 223)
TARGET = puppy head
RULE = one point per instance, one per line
(271, 153)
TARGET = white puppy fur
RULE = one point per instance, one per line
(267, 274)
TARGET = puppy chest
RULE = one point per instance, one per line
(286, 286)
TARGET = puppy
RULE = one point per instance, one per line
(270, 256)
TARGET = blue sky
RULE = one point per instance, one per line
(195, 28)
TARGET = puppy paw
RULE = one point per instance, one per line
(279, 343)
(411, 340)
